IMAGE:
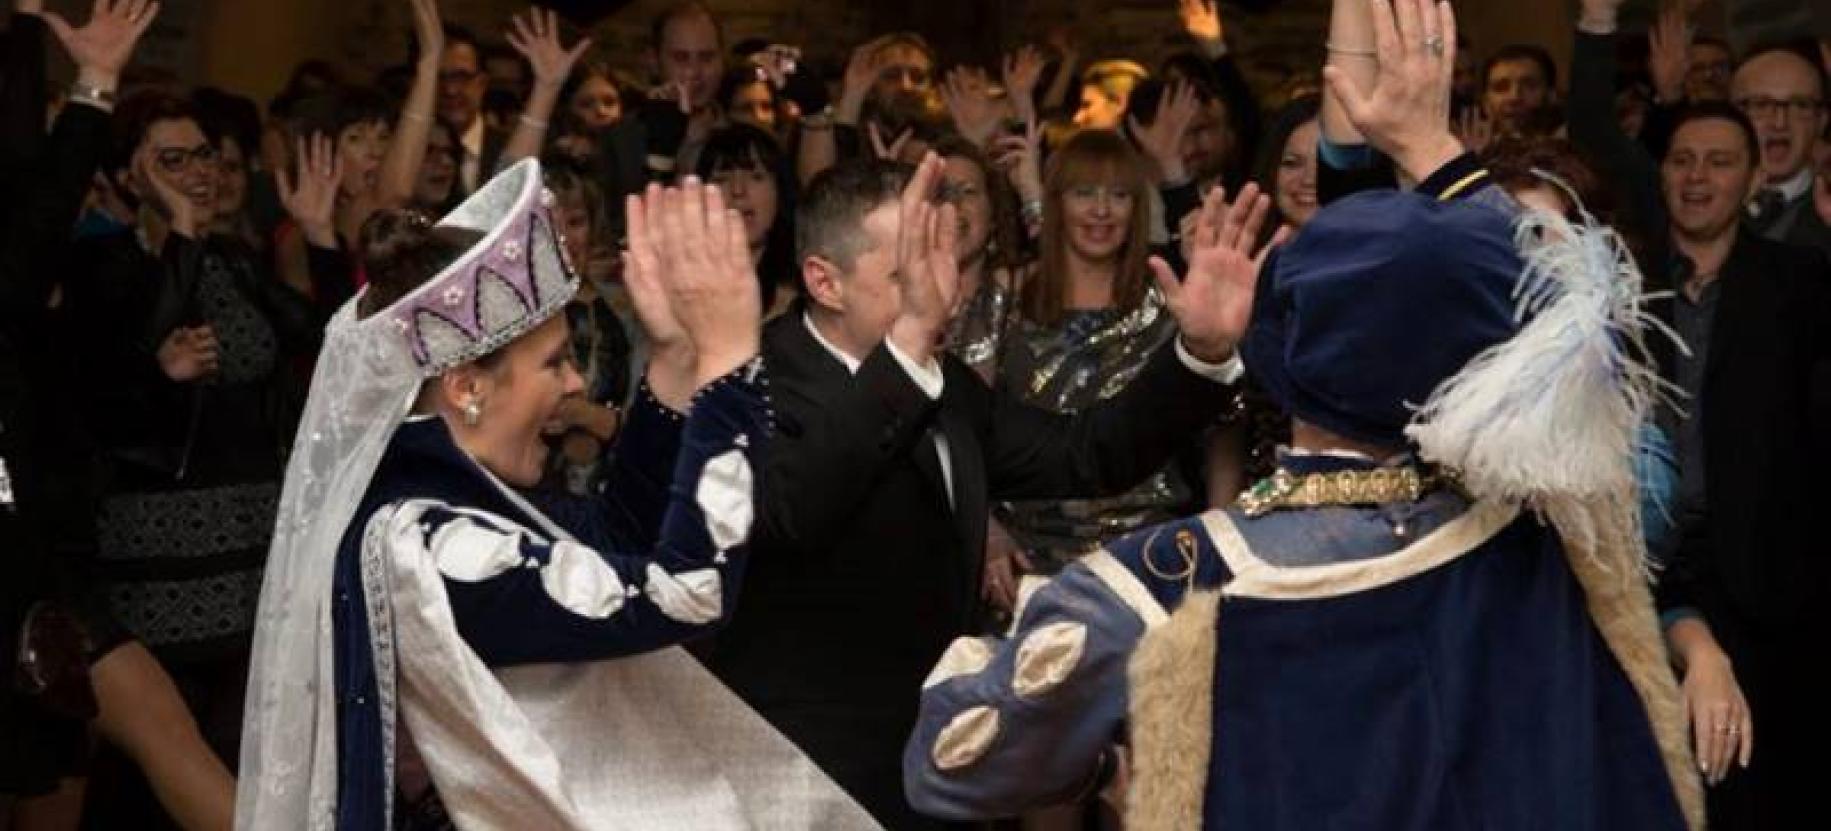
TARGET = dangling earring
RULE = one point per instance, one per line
(472, 413)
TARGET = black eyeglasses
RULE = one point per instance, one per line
(457, 76)
(176, 159)
(1800, 107)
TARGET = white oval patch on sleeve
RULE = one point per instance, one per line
(1047, 656)
(470, 553)
(966, 738)
(727, 497)
(965, 656)
(578, 579)
(695, 597)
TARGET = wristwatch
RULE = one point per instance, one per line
(94, 95)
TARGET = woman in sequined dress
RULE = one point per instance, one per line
(1084, 325)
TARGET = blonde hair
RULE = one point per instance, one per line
(1115, 78)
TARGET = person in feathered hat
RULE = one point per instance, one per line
(1434, 615)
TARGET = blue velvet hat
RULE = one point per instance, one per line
(1381, 298)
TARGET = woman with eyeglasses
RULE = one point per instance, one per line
(184, 343)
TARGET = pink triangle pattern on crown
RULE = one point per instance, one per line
(511, 281)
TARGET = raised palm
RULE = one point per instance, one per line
(312, 198)
(536, 37)
(107, 41)
(1212, 303)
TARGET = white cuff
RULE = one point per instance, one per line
(1228, 372)
(929, 378)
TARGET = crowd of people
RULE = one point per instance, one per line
(395, 452)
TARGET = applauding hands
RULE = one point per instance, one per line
(927, 274)
(693, 286)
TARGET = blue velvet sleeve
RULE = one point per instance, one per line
(994, 738)
(520, 598)
(628, 509)
(1007, 725)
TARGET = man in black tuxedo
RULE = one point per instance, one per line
(873, 504)
(462, 84)
(1746, 588)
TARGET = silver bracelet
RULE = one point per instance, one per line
(533, 122)
(1364, 53)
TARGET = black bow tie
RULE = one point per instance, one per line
(1768, 204)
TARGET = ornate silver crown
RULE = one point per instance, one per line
(504, 286)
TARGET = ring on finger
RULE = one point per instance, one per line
(1435, 45)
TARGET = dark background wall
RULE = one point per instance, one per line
(251, 45)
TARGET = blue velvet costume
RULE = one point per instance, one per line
(1437, 663)
(646, 519)
(1474, 695)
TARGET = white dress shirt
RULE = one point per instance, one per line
(470, 168)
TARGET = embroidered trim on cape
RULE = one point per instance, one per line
(1254, 577)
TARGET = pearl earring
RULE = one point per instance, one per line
(472, 414)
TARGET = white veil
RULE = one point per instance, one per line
(364, 385)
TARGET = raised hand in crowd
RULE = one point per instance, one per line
(927, 274)
(1061, 38)
(1163, 139)
(1022, 70)
(862, 69)
(1202, 22)
(1406, 112)
(1669, 60)
(311, 199)
(1598, 16)
(101, 48)
(1213, 301)
(189, 354)
(400, 166)
(693, 285)
(1020, 157)
(536, 37)
(968, 94)
(1474, 129)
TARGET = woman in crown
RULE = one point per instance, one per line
(440, 646)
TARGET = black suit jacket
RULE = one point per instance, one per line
(863, 573)
(1755, 562)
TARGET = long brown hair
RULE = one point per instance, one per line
(1091, 157)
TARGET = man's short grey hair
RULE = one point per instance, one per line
(830, 222)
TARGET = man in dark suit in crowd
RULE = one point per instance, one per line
(1782, 91)
(874, 501)
(462, 84)
(1744, 594)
